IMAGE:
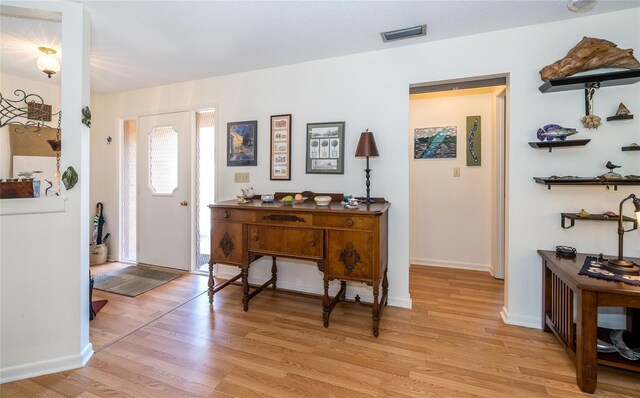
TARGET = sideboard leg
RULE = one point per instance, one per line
(326, 304)
(586, 335)
(245, 288)
(375, 310)
(274, 272)
(210, 283)
(385, 287)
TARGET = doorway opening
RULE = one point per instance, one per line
(128, 192)
(204, 186)
(458, 135)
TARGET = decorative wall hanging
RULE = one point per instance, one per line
(281, 147)
(26, 106)
(325, 148)
(242, 140)
(70, 178)
(86, 116)
(474, 141)
(435, 142)
(589, 54)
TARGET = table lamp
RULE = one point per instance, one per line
(367, 147)
(620, 264)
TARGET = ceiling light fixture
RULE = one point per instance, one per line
(47, 62)
(406, 33)
(581, 5)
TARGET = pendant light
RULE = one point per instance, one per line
(47, 62)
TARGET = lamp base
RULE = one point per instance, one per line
(368, 201)
(622, 266)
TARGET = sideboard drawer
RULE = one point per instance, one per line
(294, 242)
(349, 222)
(233, 215)
(285, 218)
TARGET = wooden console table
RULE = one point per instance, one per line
(560, 281)
(346, 244)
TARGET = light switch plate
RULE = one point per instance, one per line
(456, 171)
(241, 177)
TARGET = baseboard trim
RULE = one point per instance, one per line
(35, 369)
(520, 320)
(353, 289)
(450, 264)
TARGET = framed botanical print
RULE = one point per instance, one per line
(281, 147)
(242, 143)
(325, 148)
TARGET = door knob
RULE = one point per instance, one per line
(184, 203)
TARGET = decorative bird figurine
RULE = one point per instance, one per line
(611, 166)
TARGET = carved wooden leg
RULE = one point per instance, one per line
(274, 272)
(210, 283)
(385, 288)
(586, 335)
(375, 310)
(326, 304)
(245, 288)
(344, 289)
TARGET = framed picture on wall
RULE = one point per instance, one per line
(325, 148)
(281, 147)
(242, 143)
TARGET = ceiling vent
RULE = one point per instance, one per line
(406, 33)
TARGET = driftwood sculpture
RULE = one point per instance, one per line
(590, 54)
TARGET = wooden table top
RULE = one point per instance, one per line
(571, 266)
(306, 206)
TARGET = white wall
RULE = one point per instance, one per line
(44, 258)
(8, 84)
(371, 90)
(451, 217)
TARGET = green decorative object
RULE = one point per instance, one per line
(474, 140)
(70, 178)
(86, 116)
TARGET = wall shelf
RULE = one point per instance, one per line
(620, 117)
(631, 148)
(548, 181)
(617, 78)
(558, 144)
(594, 217)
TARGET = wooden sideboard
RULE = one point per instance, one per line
(346, 244)
(560, 282)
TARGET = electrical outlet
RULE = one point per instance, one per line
(456, 171)
(241, 177)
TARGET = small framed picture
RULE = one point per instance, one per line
(242, 143)
(281, 147)
(325, 148)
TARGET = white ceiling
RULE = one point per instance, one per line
(138, 44)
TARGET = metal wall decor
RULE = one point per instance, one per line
(86, 116)
(26, 106)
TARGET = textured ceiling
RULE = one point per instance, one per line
(138, 44)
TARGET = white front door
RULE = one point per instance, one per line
(164, 190)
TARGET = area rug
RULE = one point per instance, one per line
(132, 281)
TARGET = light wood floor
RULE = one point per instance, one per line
(452, 344)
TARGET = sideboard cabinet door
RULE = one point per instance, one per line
(227, 243)
(349, 255)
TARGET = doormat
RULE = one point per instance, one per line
(132, 281)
